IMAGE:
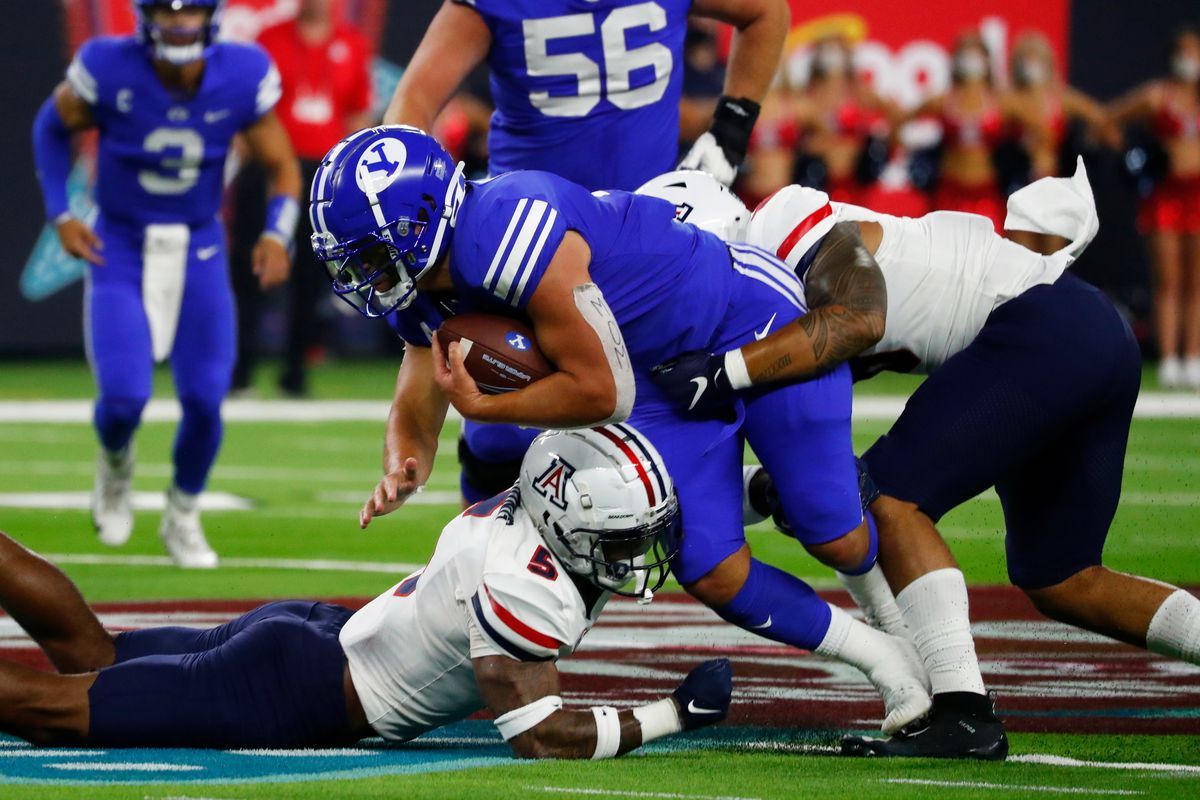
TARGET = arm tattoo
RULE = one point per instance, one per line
(848, 296)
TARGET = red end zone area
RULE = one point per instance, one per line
(1047, 677)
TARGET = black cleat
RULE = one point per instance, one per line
(953, 729)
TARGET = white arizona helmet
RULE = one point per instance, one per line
(703, 201)
(605, 505)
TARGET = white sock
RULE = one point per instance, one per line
(880, 657)
(184, 501)
(1175, 628)
(871, 593)
(936, 610)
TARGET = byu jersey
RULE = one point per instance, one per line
(945, 272)
(586, 89)
(643, 261)
(162, 154)
(492, 588)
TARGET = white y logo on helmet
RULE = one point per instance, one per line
(380, 165)
(552, 483)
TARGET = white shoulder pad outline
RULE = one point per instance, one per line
(525, 616)
(516, 259)
(270, 89)
(81, 80)
(790, 222)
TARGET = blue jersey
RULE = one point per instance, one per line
(668, 284)
(586, 89)
(162, 153)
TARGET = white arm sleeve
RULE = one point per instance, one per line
(591, 304)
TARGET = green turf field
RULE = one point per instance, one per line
(306, 481)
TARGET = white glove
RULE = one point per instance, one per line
(708, 156)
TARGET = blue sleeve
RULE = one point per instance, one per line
(82, 72)
(52, 157)
(255, 73)
(516, 239)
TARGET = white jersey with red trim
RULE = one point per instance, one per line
(492, 587)
(945, 271)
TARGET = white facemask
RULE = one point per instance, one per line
(970, 65)
(1186, 68)
(1032, 72)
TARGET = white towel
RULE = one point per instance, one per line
(164, 269)
(1059, 206)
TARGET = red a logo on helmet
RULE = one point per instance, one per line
(552, 484)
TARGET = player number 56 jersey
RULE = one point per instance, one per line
(586, 89)
(492, 588)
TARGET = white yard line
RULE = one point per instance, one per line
(316, 565)
(1011, 788)
(1151, 405)
(1063, 761)
(617, 793)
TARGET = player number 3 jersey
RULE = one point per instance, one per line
(162, 154)
(492, 588)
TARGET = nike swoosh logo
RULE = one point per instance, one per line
(764, 626)
(701, 385)
(760, 335)
(215, 116)
(695, 709)
(205, 253)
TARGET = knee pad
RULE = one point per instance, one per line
(485, 478)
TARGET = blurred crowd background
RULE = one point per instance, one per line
(904, 108)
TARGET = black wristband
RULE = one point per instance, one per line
(732, 122)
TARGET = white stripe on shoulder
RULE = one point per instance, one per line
(533, 257)
(270, 89)
(82, 82)
(512, 224)
(780, 275)
(755, 273)
(517, 263)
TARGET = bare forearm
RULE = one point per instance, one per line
(572, 734)
(811, 346)
(407, 438)
(562, 400)
(755, 54)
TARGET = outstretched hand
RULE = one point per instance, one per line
(390, 493)
(704, 696)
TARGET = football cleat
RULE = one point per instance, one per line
(949, 731)
(181, 532)
(112, 505)
(901, 681)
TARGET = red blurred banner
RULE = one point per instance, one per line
(904, 47)
(243, 19)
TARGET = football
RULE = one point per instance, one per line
(499, 353)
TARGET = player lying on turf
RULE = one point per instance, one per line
(612, 284)
(1033, 380)
(514, 583)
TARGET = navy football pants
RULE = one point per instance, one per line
(270, 678)
(1038, 406)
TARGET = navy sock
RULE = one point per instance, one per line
(778, 606)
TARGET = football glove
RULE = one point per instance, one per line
(723, 149)
(696, 382)
(704, 695)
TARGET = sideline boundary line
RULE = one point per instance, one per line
(1151, 405)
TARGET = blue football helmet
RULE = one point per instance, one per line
(160, 41)
(383, 207)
